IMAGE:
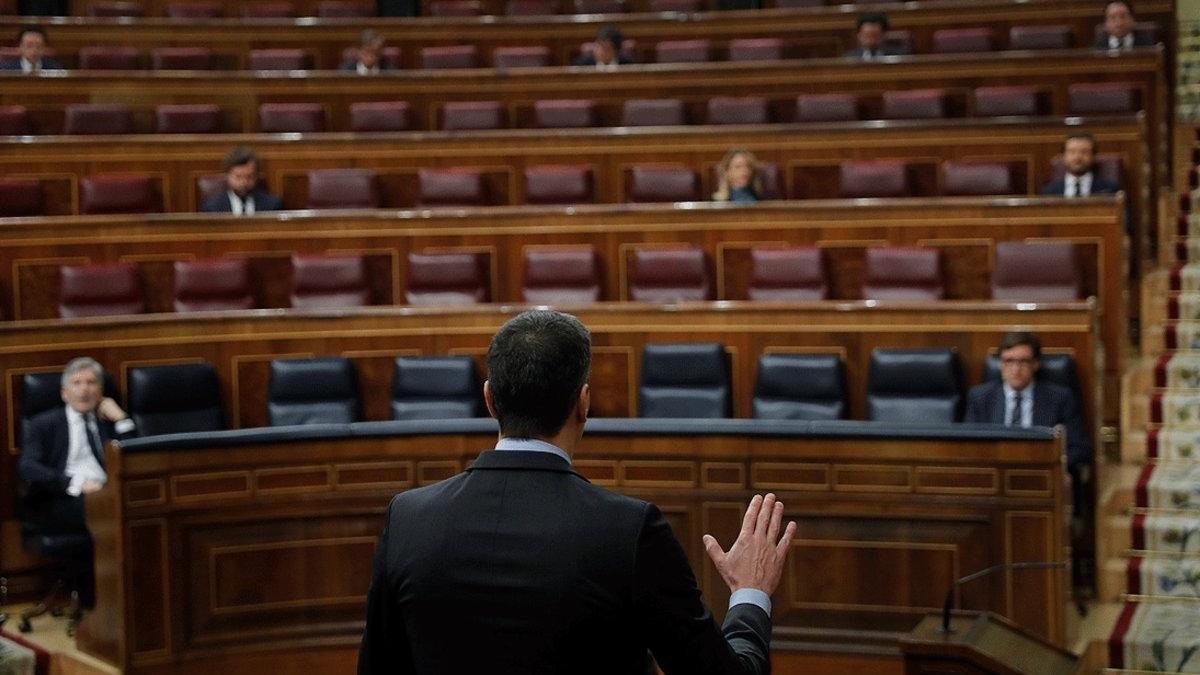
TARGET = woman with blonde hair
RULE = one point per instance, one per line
(740, 179)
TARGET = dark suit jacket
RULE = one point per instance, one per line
(1052, 405)
(1100, 186)
(884, 50)
(1139, 40)
(352, 66)
(15, 64)
(263, 201)
(590, 60)
(521, 566)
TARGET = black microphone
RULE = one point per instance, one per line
(985, 572)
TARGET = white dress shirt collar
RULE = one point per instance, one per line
(532, 445)
(240, 206)
(1078, 186)
(1115, 42)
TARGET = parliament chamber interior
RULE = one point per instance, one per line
(288, 229)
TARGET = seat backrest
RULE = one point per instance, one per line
(903, 273)
(284, 118)
(343, 189)
(531, 7)
(1041, 37)
(451, 278)
(473, 115)
(455, 8)
(451, 187)
(279, 59)
(194, 9)
(791, 274)
(827, 108)
(669, 274)
(109, 58)
(1096, 98)
(799, 387)
(210, 184)
(564, 113)
(380, 116)
(968, 178)
(192, 118)
(687, 380)
(453, 56)
(435, 387)
(312, 391)
(756, 49)
(119, 193)
(1042, 272)
(114, 8)
(181, 58)
(683, 51)
(97, 118)
(879, 178)
(666, 183)
(216, 284)
(175, 399)
(329, 281)
(521, 57)
(1006, 100)
(43, 391)
(963, 40)
(1107, 165)
(341, 9)
(562, 275)
(558, 184)
(99, 290)
(738, 110)
(598, 6)
(1149, 31)
(920, 386)
(653, 112)
(14, 121)
(275, 9)
(21, 197)
(914, 104)
(1055, 368)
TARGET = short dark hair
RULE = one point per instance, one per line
(537, 363)
(31, 29)
(610, 34)
(1128, 5)
(873, 17)
(1022, 337)
(1085, 135)
(239, 156)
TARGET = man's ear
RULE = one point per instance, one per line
(63, 394)
(584, 403)
(487, 399)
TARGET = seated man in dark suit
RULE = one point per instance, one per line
(242, 195)
(872, 28)
(606, 50)
(1118, 28)
(31, 45)
(370, 52)
(1081, 179)
(520, 565)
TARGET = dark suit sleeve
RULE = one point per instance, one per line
(976, 407)
(384, 649)
(1053, 189)
(37, 450)
(676, 624)
(214, 204)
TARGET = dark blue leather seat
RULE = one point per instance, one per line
(438, 387)
(799, 387)
(312, 391)
(175, 399)
(684, 380)
(1056, 368)
(914, 386)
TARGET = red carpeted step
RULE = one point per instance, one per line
(1116, 640)
(1141, 492)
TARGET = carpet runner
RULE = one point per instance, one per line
(1168, 576)
(1169, 486)
(1173, 444)
(1166, 532)
(1162, 637)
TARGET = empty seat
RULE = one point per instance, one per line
(380, 116)
(918, 386)
(97, 118)
(689, 380)
(565, 275)
(279, 9)
(558, 184)
(963, 40)
(738, 110)
(109, 58)
(683, 51)
(312, 391)
(194, 118)
(435, 387)
(1040, 37)
(344, 9)
(194, 9)
(181, 58)
(329, 281)
(826, 108)
(651, 112)
(175, 399)
(279, 59)
(473, 115)
(792, 274)
(967, 178)
(671, 183)
(114, 8)
(455, 8)
(343, 189)
(676, 5)
(903, 273)
(219, 284)
(119, 193)
(915, 104)
(880, 179)
(451, 278)
(14, 121)
(455, 56)
(1093, 98)
(21, 197)
(280, 118)
(799, 387)
(521, 57)
(451, 187)
(1041, 272)
(999, 101)
(756, 49)
(564, 113)
(531, 7)
(598, 6)
(99, 290)
(669, 274)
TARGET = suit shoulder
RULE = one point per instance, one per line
(212, 204)
(49, 418)
(983, 390)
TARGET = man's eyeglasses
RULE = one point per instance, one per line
(1017, 363)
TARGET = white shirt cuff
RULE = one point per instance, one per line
(751, 596)
(74, 488)
(124, 426)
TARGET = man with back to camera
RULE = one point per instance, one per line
(872, 29)
(1080, 178)
(520, 565)
(31, 48)
(1118, 33)
(242, 195)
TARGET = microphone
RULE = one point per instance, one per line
(985, 572)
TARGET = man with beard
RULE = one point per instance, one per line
(242, 195)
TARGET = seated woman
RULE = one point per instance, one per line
(740, 179)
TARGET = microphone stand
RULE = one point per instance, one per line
(946, 607)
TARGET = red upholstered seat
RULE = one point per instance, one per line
(999, 101)
(472, 115)
(20, 197)
(209, 185)
(791, 274)
(531, 7)
(212, 285)
(109, 58)
(558, 184)
(598, 6)
(446, 279)
(666, 183)
(883, 178)
(914, 104)
(14, 121)
(345, 9)
(756, 49)
(1094, 98)
(966, 178)
(99, 290)
(329, 281)
(455, 8)
(521, 57)
(738, 110)
(119, 193)
(277, 118)
(181, 58)
(676, 5)
(564, 113)
(1042, 272)
(194, 9)
(903, 273)
(380, 116)
(279, 59)
(451, 187)
(454, 56)
(1108, 166)
(653, 112)
(826, 108)
(279, 9)
(683, 51)
(899, 41)
(1040, 37)
(1149, 31)
(97, 118)
(963, 40)
(113, 8)
(669, 274)
(563, 275)
(343, 189)
(196, 118)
